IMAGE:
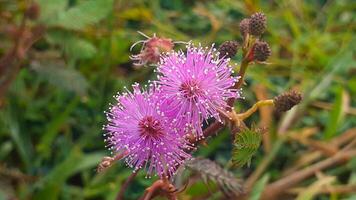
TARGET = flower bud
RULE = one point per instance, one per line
(244, 26)
(261, 51)
(258, 24)
(152, 49)
(228, 49)
(287, 100)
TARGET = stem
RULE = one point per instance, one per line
(216, 126)
(338, 189)
(244, 64)
(10, 63)
(120, 195)
(265, 116)
(254, 108)
(275, 189)
(160, 187)
(107, 162)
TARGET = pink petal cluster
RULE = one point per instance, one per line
(151, 126)
(138, 127)
(196, 85)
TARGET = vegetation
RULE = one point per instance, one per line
(61, 62)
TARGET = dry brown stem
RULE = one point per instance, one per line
(265, 115)
(275, 189)
(10, 62)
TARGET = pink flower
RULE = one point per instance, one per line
(138, 127)
(196, 85)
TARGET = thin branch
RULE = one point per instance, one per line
(254, 108)
(314, 155)
(273, 190)
(120, 195)
(10, 63)
(107, 161)
(265, 116)
(160, 187)
(15, 174)
(337, 189)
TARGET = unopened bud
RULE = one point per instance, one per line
(244, 26)
(228, 49)
(261, 51)
(287, 100)
(152, 49)
(105, 163)
(258, 24)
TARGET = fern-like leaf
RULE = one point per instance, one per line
(246, 144)
(210, 170)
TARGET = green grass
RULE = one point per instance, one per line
(51, 117)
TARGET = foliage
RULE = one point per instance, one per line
(246, 144)
(51, 117)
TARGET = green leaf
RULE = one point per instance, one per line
(337, 113)
(62, 77)
(73, 46)
(89, 161)
(11, 118)
(79, 48)
(54, 126)
(246, 144)
(5, 149)
(52, 184)
(258, 188)
(50, 9)
(86, 13)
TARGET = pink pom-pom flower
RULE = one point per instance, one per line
(138, 126)
(196, 85)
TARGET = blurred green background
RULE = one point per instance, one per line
(51, 116)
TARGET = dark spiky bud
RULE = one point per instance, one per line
(228, 49)
(287, 100)
(261, 51)
(258, 24)
(244, 26)
(33, 11)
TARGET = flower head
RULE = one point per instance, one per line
(228, 49)
(257, 24)
(151, 49)
(287, 100)
(196, 85)
(261, 51)
(244, 26)
(138, 127)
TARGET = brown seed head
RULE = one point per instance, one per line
(258, 24)
(244, 26)
(261, 51)
(228, 49)
(287, 100)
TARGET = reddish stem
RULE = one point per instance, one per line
(120, 195)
